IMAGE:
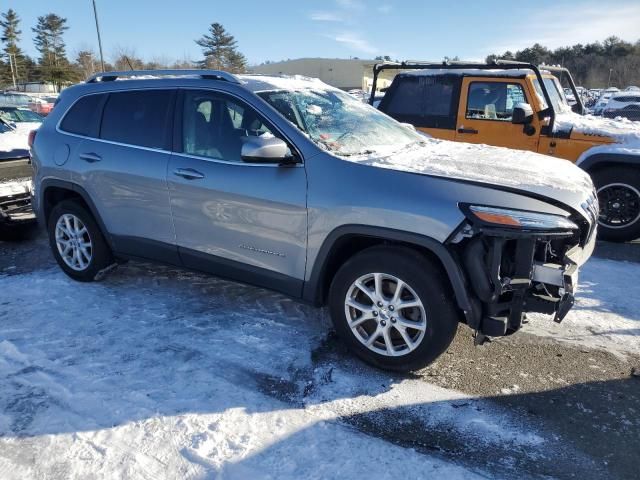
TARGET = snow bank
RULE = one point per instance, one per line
(607, 310)
(14, 140)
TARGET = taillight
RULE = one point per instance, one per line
(32, 137)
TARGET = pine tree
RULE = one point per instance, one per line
(13, 55)
(53, 62)
(220, 51)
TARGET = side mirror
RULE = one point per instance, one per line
(522, 114)
(266, 149)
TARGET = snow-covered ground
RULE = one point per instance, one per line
(607, 310)
(159, 373)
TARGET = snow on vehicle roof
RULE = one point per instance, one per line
(261, 83)
(497, 72)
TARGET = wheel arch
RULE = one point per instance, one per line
(348, 240)
(600, 161)
(54, 191)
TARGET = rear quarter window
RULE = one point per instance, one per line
(429, 101)
(137, 118)
(83, 117)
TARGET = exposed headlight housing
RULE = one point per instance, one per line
(517, 219)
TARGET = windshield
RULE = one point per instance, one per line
(18, 116)
(339, 123)
(557, 99)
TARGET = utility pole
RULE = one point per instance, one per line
(13, 69)
(95, 15)
(609, 81)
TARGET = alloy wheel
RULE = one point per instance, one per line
(385, 314)
(73, 242)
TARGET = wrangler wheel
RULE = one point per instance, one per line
(618, 191)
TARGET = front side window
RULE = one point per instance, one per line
(137, 118)
(337, 122)
(493, 100)
(215, 125)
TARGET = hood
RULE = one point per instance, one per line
(605, 130)
(529, 172)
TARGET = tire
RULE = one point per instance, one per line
(424, 281)
(619, 198)
(85, 269)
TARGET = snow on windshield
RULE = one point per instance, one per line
(338, 123)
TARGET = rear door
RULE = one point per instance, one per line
(123, 166)
(485, 113)
(242, 220)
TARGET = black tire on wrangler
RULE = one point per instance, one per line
(81, 268)
(423, 283)
(619, 198)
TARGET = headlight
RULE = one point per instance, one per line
(506, 218)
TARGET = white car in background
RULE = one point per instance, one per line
(623, 104)
(601, 103)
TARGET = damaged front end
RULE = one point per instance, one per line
(518, 262)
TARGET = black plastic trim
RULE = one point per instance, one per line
(313, 290)
(241, 272)
(602, 158)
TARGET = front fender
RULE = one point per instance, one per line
(615, 153)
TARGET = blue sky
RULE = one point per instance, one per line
(404, 29)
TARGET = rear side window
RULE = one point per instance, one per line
(84, 116)
(429, 101)
(137, 118)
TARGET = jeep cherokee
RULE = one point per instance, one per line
(289, 184)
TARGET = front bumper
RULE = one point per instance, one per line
(512, 273)
(15, 203)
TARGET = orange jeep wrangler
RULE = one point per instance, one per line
(520, 106)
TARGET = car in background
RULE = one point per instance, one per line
(14, 99)
(15, 177)
(22, 118)
(604, 98)
(42, 105)
(521, 106)
(625, 103)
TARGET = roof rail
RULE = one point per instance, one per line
(207, 74)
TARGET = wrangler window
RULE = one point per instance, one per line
(493, 100)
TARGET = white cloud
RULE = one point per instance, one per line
(354, 41)
(326, 17)
(570, 25)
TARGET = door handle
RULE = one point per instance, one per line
(467, 130)
(188, 173)
(90, 157)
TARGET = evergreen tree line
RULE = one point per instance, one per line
(219, 48)
(613, 62)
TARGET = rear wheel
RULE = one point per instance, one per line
(77, 242)
(392, 308)
(618, 191)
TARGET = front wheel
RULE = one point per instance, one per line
(392, 308)
(618, 191)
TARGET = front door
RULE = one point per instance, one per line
(485, 112)
(242, 220)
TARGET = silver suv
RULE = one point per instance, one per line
(289, 184)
